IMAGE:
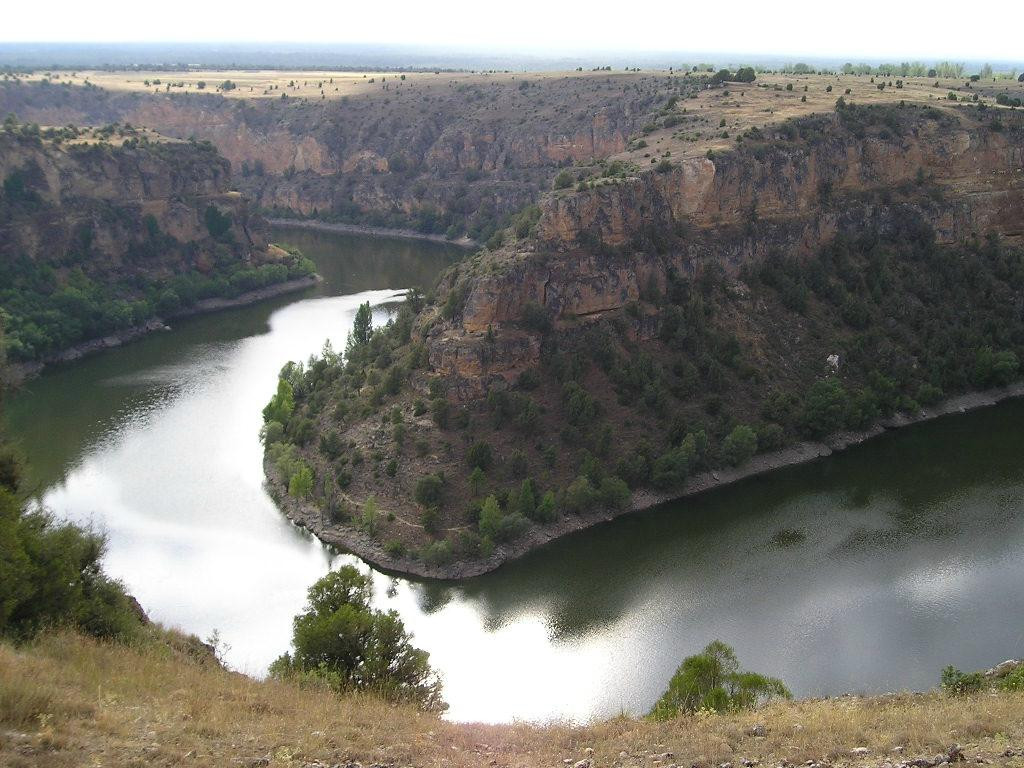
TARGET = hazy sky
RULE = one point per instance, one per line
(908, 29)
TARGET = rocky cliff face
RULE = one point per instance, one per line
(111, 202)
(99, 237)
(461, 157)
(596, 250)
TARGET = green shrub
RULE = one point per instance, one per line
(826, 407)
(300, 484)
(430, 521)
(479, 456)
(995, 369)
(342, 640)
(281, 405)
(580, 497)
(395, 548)
(957, 683)
(546, 510)
(712, 681)
(563, 180)
(429, 491)
(524, 501)
(928, 394)
(440, 410)
(613, 492)
(272, 432)
(438, 552)
(496, 526)
(477, 479)
(1013, 681)
(739, 445)
(369, 520)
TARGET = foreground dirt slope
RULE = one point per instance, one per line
(69, 701)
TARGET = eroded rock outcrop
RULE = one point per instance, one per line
(596, 250)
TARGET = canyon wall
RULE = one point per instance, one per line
(461, 157)
(595, 250)
(131, 208)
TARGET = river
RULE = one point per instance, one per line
(867, 571)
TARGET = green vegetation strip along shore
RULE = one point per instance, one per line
(307, 515)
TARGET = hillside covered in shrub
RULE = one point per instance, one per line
(842, 272)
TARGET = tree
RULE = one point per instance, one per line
(362, 327)
(563, 180)
(282, 404)
(745, 75)
(476, 481)
(825, 407)
(526, 499)
(739, 445)
(546, 511)
(712, 680)
(490, 518)
(217, 223)
(343, 640)
(993, 368)
(430, 491)
(300, 485)
(480, 456)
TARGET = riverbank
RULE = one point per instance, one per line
(161, 705)
(361, 229)
(305, 515)
(21, 371)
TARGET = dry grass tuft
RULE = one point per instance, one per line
(67, 700)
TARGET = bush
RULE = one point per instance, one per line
(50, 572)
(995, 369)
(739, 445)
(300, 484)
(272, 432)
(438, 552)
(671, 469)
(342, 640)
(825, 408)
(713, 681)
(613, 492)
(440, 411)
(546, 510)
(479, 456)
(563, 180)
(1014, 681)
(496, 526)
(282, 404)
(580, 496)
(957, 683)
(429, 491)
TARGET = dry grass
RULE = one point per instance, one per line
(271, 83)
(767, 102)
(70, 701)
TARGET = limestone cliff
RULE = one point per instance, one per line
(595, 250)
(98, 236)
(452, 159)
